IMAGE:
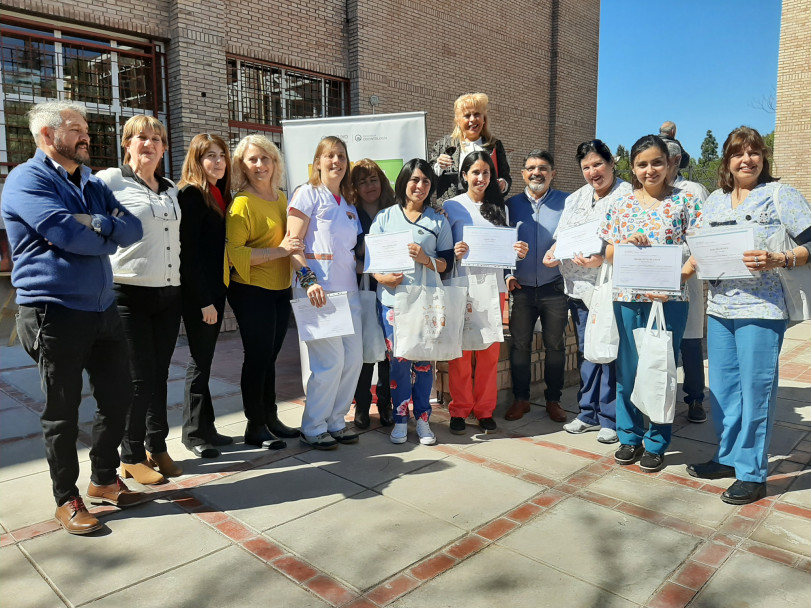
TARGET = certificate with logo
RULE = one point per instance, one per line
(655, 268)
(490, 246)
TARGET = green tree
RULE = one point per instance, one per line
(709, 149)
(622, 152)
(623, 164)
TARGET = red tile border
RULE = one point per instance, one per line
(599, 499)
(362, 602)
(466, 547)
(684, 481)
(294, 568)
(552, 446)
(538, 479)
(392, 589)
(503, 468)
(263, 549)
(641, 512)
(497, 528)
(737, 525)
(582, 479)
(598, 468)
(330, 590)
(198, 480)
(712, 554)
(432, 567)
(187, 502)
(693, 575)
(584, 454)
(548, 499)
(711, 489)
(524, 513)
(43, 527)
(793, 510)
(772, 553)
(753, 511)
(6, 539)
(567, 488)
(210, 516)
(671, 595)
(235, 530)
(470, 457)
(729, 541)
(687, 527)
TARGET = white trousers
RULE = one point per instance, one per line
(329, 372)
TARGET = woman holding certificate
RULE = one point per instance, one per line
(259, 292)
(653, 214)
(481, 205)
(586, 206)
(746, 318)
(431, 249)
(321, 215)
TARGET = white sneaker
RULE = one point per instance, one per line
(425, 433)
(399, 433)
(577, 426)
(607, 436)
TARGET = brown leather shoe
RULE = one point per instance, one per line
(75, 518)
(517, 410)
(555, 412)
(117, 494)
(165, 464)
(142, 472)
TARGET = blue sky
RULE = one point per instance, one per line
(710, 68)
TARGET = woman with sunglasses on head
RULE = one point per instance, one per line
(205, 193)
(597, 394)
(481, 205)
(147, 287)
(432, 250)
(373, 194)
(259, 292)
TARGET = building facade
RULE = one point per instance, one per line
(232, 68)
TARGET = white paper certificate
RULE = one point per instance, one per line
(719, 253)
(648, 269)
(388, 252)
(490, 246)
(332, 320)
(583, 239)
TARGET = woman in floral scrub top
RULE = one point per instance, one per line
(653, 214)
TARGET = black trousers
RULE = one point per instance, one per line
(64, 342)
(263, 316)
(198, 410)
(363, 396)
(151, 319)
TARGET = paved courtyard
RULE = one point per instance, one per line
(531, 516)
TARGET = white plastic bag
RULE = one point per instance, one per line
(483, 324)
(654, 391)
(601, 340)
(428, 321)
(374, 342)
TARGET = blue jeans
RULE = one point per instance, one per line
(692, 360)
(598, 383)
(630, 421)
(550, 304)
(743, 356)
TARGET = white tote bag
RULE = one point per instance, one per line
(428, 321)
(374, 342)
(655, 384)
(483, 324)
(601, 341)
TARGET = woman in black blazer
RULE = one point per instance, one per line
(471, 133)
(205, 192)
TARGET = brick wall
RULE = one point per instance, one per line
(793, 126)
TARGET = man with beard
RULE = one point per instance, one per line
(537, 291)
(62, 225)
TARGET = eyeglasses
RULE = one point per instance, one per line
(541, 168)
(159, 207)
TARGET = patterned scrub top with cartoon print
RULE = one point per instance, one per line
(668, 224)
(760, 297)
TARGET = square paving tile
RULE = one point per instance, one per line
(535, 458)
(547, 430)
(464, 494)
(29, 500)
(18, 422)
(23, 586)
(8, 402)
(748, 580)
(249, 582)
(800, 491)
(500, 577)
(665, 497)
(142, 541)
(272, 495)
(365, 539)
(599, 537)
(785, 531)
(14, 356)
(374, 460)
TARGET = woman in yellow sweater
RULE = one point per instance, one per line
(259, 293)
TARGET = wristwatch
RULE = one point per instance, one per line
(95, 224)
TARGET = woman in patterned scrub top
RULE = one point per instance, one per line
(653, 214)
(746, 318)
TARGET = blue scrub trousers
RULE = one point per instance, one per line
(743, 356)
(630, 421)
(598, 383)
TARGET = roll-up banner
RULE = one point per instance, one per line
(388, 139)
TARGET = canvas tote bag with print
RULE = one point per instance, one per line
(601, 340)
(654, 391)
(483, 324)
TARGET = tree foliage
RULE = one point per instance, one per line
(709, 149)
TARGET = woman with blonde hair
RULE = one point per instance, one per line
(471, 133)
(205, 193)
(147, 288)
(373, 193)
(259, 292)
(321, 214)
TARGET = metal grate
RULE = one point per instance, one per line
(29, 66)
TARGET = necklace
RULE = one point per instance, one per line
(643, 195)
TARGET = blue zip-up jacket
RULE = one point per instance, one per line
(56, 258)
(538, 222)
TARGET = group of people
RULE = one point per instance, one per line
(107, 266)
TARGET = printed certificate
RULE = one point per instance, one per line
(719, 253)
(490, 246)
(656, 268)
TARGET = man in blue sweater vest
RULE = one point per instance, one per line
(62, 225)
(537, 291)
